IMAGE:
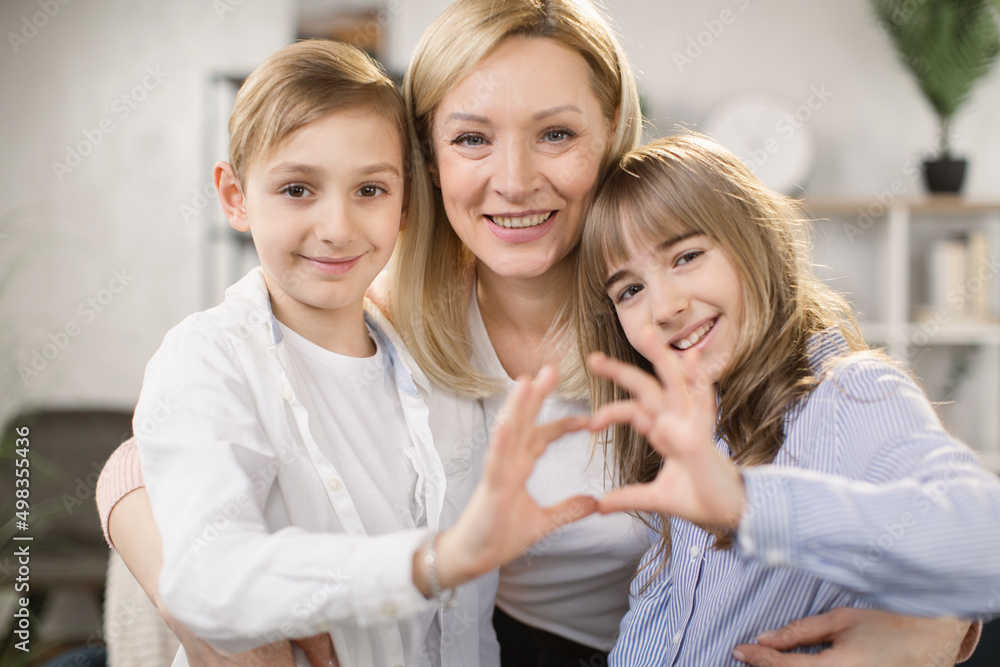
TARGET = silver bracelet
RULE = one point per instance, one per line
(446, 598)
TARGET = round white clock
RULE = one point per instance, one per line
(771, 134)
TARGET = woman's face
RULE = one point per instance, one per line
(518, 146)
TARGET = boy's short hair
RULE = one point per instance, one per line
(301, 83)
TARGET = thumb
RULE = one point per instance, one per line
(633, 497)
(570, 510)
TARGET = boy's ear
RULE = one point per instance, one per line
(231, 196)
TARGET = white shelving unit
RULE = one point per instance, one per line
(876, 253)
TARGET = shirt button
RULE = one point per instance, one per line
(287, 393)
(677, 637)
(695, 552)
(389, 609)
(773, 558)
(334, 484)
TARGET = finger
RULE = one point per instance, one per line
(638, 497)
(643, 386)
(667, 365)
(515, 397)
(809, 631)
(621, 412)
(318, 649)
(762, 656)
(570, 510)
(538, 391)
(546, 433)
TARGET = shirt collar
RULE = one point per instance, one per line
(824, 346)
(253, 290)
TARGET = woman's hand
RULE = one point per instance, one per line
(502, 520)
(860, 637)
(676, 411)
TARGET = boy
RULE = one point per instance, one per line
(292, 473)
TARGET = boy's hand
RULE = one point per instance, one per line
(676, 411)
(502, 519)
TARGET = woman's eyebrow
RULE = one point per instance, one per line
(554, 110)
(461, 115)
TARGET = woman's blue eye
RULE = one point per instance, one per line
(558, 135)
(470, 140)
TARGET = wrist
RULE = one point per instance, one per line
(436, 577)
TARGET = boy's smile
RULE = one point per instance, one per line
(688, 289)
(324, 209)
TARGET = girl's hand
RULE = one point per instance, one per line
(676, 411)
(502, 520)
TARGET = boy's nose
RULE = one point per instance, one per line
(335, 226)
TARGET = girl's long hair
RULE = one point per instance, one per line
(683, 184)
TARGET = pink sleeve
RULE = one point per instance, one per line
(121, 475)
(970, 642)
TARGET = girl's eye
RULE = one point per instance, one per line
(689, 257)
(471, 140)
(558, 134)
(370, 190)
(627, 293)
(295, 191)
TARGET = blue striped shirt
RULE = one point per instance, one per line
(869, 503)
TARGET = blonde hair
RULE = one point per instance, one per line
(301, 83)
(432, 271)
(683, 184)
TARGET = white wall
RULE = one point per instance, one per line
(119, 209)
(874, 122)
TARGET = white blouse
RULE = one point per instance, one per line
(574, 582)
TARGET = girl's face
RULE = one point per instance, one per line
(518, 146)
(689, 290)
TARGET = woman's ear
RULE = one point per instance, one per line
(231, 195)
(404, 212)
(433, 171)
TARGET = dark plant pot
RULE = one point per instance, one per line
(944, 174)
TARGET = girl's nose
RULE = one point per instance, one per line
(666, 302)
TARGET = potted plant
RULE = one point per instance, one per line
(948, 45)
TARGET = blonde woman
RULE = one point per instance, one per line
(517, 107)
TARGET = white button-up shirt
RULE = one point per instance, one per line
(261, 538)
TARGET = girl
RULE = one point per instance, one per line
(792, 470)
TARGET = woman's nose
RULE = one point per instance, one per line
(516, 172)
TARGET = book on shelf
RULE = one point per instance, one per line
(960, 279)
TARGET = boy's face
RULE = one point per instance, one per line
(689, 290)
(324, 209)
